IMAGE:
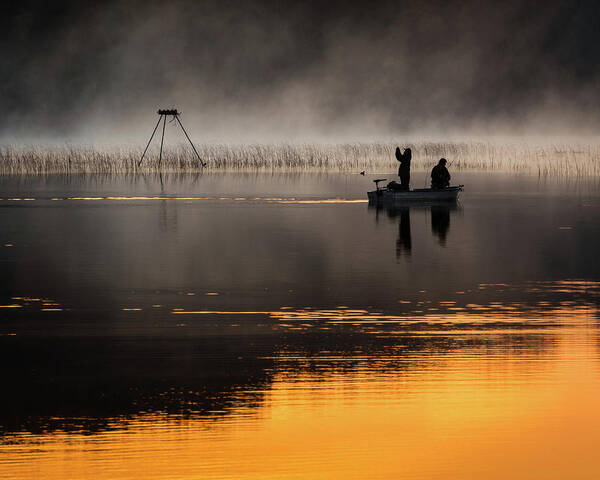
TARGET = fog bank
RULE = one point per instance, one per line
(326, 72)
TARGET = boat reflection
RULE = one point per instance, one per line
(440, 221)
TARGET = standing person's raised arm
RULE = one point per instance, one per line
(398, 154)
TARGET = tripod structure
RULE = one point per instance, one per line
(162, 116)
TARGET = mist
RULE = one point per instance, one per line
(311, 71)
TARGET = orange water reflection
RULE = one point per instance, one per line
(481, 410)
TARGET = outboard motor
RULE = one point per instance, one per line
(379, 191)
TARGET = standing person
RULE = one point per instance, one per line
(440, 176)
(404, 169)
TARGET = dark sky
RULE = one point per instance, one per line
(256, 71)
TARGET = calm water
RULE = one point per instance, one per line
(275, 326)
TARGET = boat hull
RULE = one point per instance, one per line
(448, 194)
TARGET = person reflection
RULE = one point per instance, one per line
(404, 241)
(440, 222)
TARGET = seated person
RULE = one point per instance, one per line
(440, 177)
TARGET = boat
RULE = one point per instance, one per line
(385, 195)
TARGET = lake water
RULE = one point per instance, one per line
(255, 326)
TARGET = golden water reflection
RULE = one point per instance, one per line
(475, 315)
(461, 388)
(495, 410)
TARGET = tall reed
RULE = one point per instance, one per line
(559, 160)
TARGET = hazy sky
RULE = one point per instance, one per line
(276, 71)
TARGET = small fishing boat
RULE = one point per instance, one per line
(448, 194)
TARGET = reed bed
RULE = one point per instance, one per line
(557, 160)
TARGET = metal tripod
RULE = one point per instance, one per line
(162, 115)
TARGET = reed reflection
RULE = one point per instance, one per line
(90, 383)
(82, 382)
(401, 393)
(97, 384)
